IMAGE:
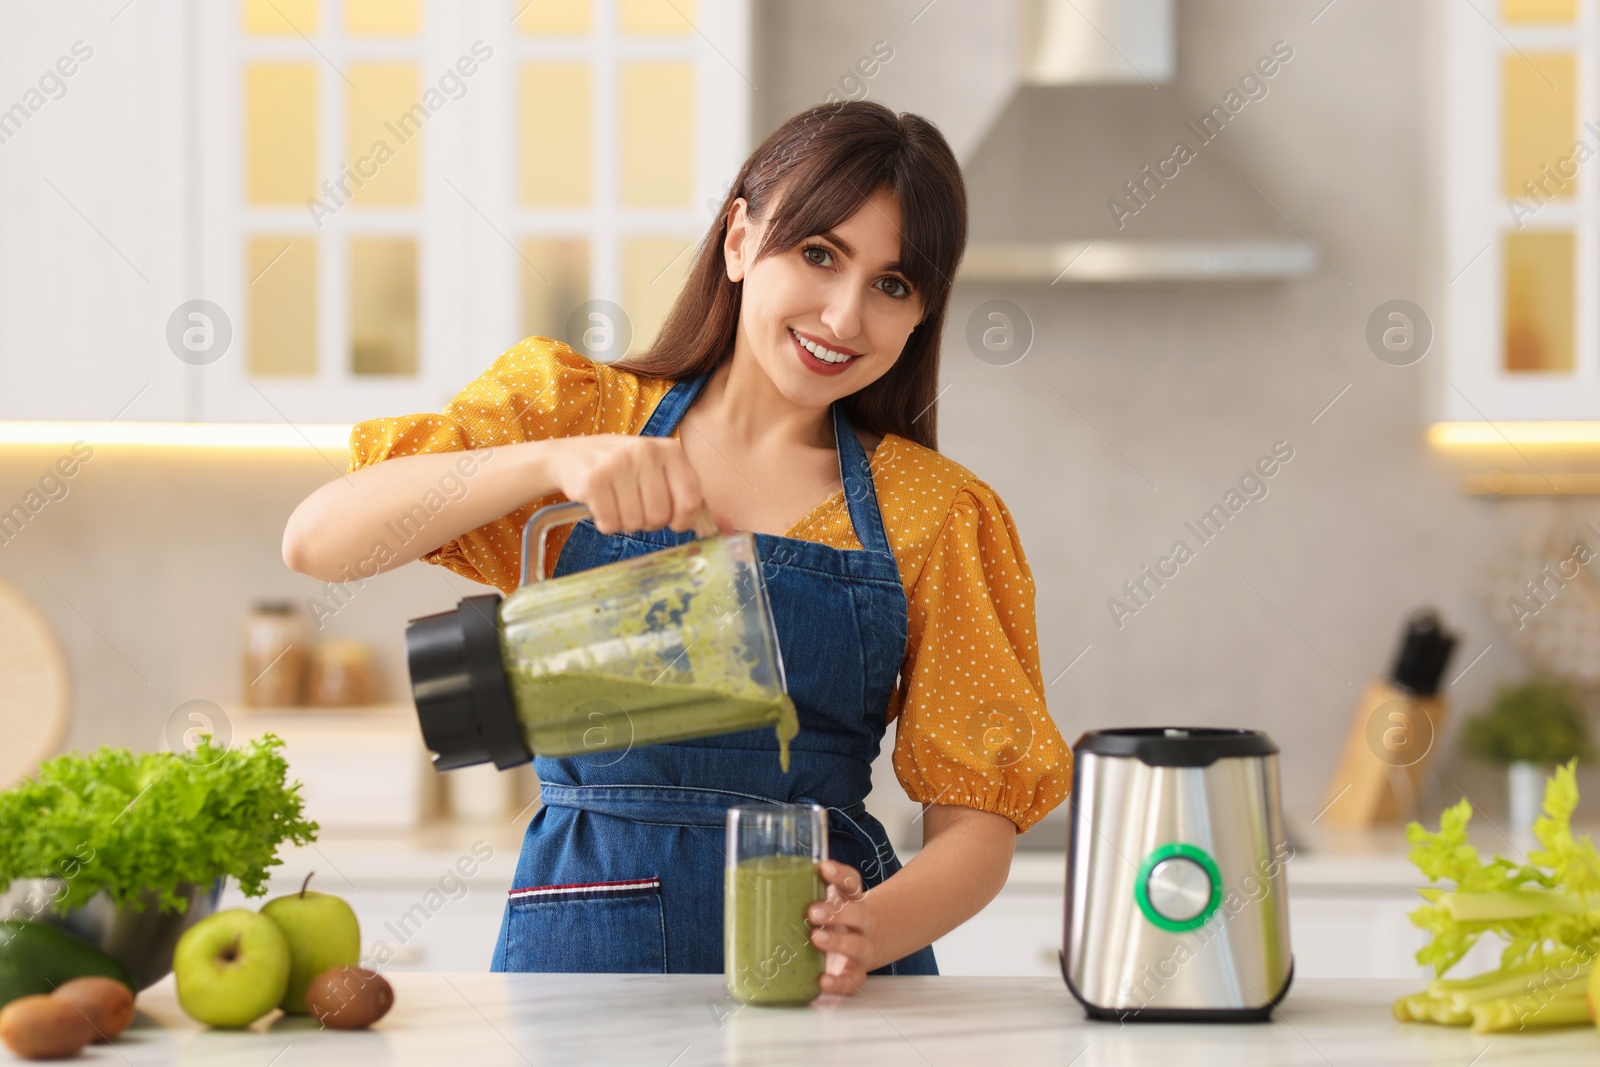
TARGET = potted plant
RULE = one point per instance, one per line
(1530, 727)
(127, 850)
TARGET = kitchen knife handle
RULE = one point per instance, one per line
(553, 515)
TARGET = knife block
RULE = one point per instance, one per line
(1392, 735)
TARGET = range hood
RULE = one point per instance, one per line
(1076, 179)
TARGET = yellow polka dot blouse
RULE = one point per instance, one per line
(973, 728)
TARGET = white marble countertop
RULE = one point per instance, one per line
(534, 1020)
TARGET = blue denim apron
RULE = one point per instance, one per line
(622, 865)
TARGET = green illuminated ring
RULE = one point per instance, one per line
(1141, 888)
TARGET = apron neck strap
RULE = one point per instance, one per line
(855, 472)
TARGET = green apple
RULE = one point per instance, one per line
(322, 932)
(231, 968)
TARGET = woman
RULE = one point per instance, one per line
(792, 391)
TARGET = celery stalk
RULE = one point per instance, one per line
(1412, 1008)
(1440, 986)
(1504, 905)
(1446, 1013)
(1516, 984)
(1517, 1013)
(1545, 908)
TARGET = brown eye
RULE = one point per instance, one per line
(826, 257)
(896, 288)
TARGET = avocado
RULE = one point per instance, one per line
(36, 957)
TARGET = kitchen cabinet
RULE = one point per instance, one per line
(428, 899)
(372, 201)
(398, 927)
(1348, 918)
(1519, 331)
(358, 768)
(92, 210)
(1347, 912)
(1359, 937)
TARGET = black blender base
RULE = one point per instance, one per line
(1178, 1015)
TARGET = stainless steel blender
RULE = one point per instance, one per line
(1176, 902)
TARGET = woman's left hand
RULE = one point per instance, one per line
(846, 929)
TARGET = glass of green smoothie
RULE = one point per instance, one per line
(773, 876)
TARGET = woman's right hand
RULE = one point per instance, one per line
(628, 482)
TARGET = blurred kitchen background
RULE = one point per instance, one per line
(1345, 266)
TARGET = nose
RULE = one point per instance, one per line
(842, 313)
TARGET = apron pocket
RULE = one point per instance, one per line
(613, 927)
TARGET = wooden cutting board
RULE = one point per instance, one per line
(36, 697)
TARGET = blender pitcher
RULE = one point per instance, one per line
(670, 645)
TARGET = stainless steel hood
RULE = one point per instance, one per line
(1079, 179)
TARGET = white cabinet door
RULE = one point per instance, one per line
(1017, 934)
(296, 246)
(126, 194)
(481, 238)
(1519, 336)
(93, 182)
(399, 928)
(1333, 935)
(1356, 936)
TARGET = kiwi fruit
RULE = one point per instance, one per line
(349, 998)
(105, 1002)
(44, 1027)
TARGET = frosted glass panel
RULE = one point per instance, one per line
(281, 273)
(281, 16)
(389, 18)
(653, 271)
(657, 126)
(383, 305)
(1538, 123)
(1539, 301)
(555, 280)
(553, 123)
(657, 16)
(1539, 10)
(557, 17)
(280, 132)
(383, 146)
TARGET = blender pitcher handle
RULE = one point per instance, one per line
(552, 515)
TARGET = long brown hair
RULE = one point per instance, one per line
(826, 163)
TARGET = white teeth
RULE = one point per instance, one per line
(827, 355)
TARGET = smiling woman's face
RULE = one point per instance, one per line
(831, 315)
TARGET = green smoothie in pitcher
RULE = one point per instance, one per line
(570, 713)
(769, 957)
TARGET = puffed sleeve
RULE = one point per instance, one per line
(538, 389)
(973, 729)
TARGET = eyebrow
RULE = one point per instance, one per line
(850, 252)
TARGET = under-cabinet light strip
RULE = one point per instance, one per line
(302, 436)
(1491, 434)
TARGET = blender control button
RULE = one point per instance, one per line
(1179, 888)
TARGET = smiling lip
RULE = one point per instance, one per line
(819, 341)
(812, 363)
